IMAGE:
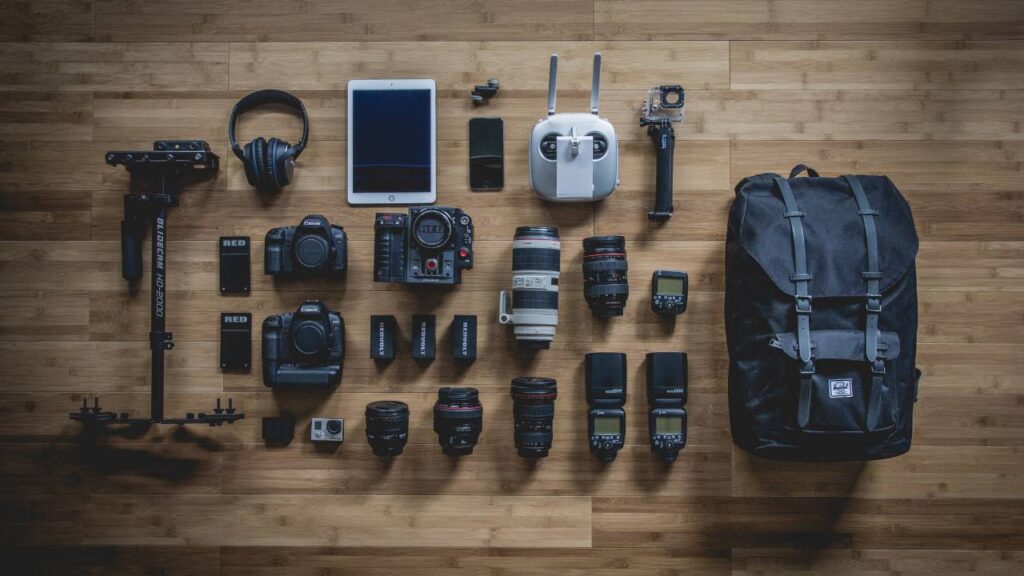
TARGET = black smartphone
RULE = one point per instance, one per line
(486, 154)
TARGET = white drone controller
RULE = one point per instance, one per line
(574, 157)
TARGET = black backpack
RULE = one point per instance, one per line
(821, 317)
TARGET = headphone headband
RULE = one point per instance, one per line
(259, 98)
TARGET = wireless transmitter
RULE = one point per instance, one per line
(574, 157)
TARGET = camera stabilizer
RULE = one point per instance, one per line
(157, 177)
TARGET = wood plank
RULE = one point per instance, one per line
(323, 20)
(904, 562)
(961, 370)
(46, 20)
(337, 520)
(491, 469)
(469, 561)
(125, 560)
(46, 116)
(83, 467)
(856, 114)
(807, 20)
(53, 316)
(459, 65)
(43, 215)
(700, 523)
(40, 520)
(927, 167)
(877, 65)
(710, 114)
(94, 66)
(924, 473)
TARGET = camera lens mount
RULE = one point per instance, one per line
(432, 229)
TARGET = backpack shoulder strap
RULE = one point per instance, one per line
(872, 299)
(801, 279)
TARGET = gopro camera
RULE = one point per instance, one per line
(662, 108)
(327, 430)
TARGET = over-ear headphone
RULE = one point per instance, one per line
(269, 164)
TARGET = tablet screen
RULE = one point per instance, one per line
(391, 141)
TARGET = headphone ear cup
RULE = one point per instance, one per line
(250, 175)
(273, 174)
(271, 185)
(284, 167)
(258, 163)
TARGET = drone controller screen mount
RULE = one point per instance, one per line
(157, 178)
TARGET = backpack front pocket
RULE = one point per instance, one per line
(845, 394)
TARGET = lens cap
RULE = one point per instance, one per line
(387, 409)
(311, 251)
(534, 388)
(309, 337)
(432, 229)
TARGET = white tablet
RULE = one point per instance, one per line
(392, 135)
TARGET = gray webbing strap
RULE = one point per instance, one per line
(800, 278)
(873, 299)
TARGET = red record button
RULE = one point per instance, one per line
(431, 264)
(463, 253)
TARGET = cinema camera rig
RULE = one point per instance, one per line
(157, 177)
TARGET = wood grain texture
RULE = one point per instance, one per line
(928, 92)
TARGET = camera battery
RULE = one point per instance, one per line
(234, 264)
(235, 341)
(424, 338)
(278, 430)
(382, 337)
(464, 337)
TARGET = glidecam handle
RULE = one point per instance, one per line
(664, 138)
(133, 228)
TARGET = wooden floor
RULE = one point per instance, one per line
(930, 93)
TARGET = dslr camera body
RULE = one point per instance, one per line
(574, 157)
(305, 348)
(430, 245)
(313, 248)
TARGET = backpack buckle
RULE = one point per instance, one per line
(803, 304)
(874, 303)
(878, 367)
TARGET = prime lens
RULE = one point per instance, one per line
(532, 306)
(458, 419)
(387, 426)
(533, 408)
(605, 269)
